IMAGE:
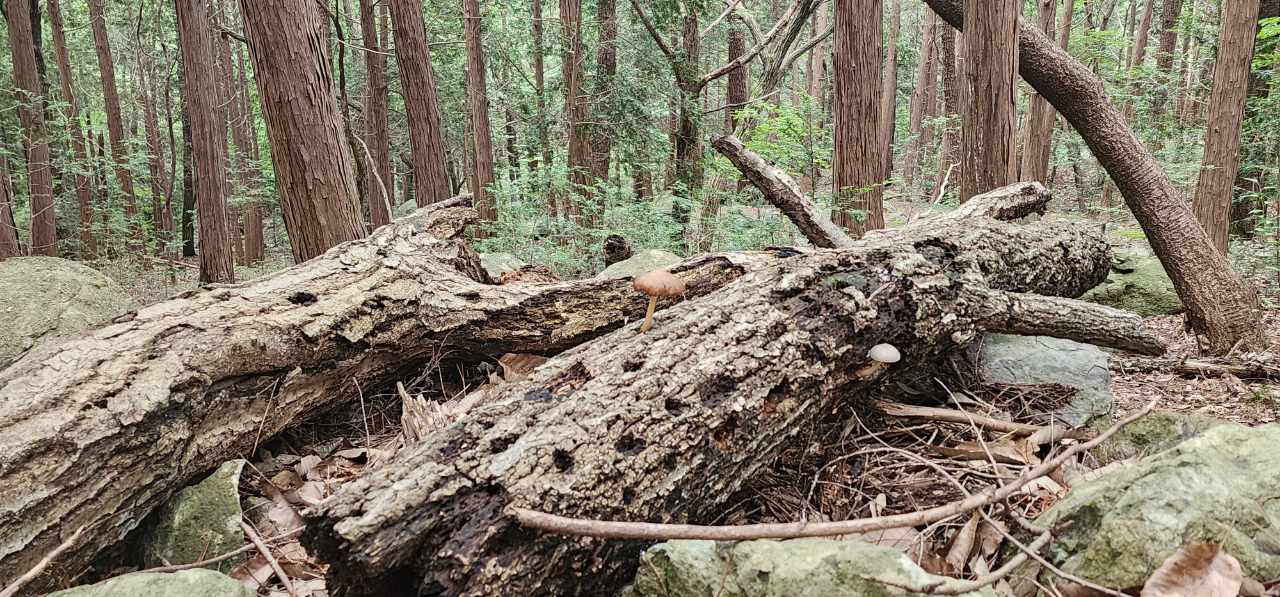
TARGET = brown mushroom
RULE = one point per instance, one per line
(656, 283)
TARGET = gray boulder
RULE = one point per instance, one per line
(1139, 284)
(795, 568)
(643, 261)
(187, 583)
(1036, 360)
(1153, 433)
(1218, 487)
(497, 264)
(200, 520)
(46, 296)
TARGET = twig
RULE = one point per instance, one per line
(216, 559)
(44, 562)
(651, 531)
(271, 560)
(947, 415)
(960, 587)
(727, 9)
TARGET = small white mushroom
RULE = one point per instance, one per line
(884, 353)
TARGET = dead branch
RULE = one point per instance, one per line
(271, 559)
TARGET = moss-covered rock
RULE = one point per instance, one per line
(497, 264)
(1218, 487)
(46, 296)
(796, 568)
(200, 520)
(1137, 284)
(642, 262)
(187, 583)
(1153, 433)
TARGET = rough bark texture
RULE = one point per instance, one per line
(1213, 198)
(602, 89)
(988, 159)
(575, 107)
(312, 163)
(110, 424)
(8, 229)
(856, 166)
(782, 191)
(738, 81)
(1222, 307)
(44, 236)
(208, 140)
(1169, 13)
(950, 161)
(376, 137)
(540, 89)
(664, 426)
(115, 123)
(1038, 140)
(84, 188)
(889, 88)
(418, 82)
(915, 121)
(188, 180)
(478, 102)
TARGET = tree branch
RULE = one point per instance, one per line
(653, 32)
(750, 54)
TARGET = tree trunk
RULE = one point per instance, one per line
(9, 246)
(255, 244)
(84, 188)
(540, 89)
(857, 172)
(115, 122)
(575, 109)
(31, 115)
(208, 139)
(418, 80)
(817, 61)
(478, 101)
(950, 162)
(1038, 142)
(628, 427)
(188, 180)
(601, 136)
(928, 23)
(888, 117)
(988, 159)
(172, 391)
(1223, 308)
(1213, 198)
(312, 164)
(1170, 11)
(377, 140)
(155, 152)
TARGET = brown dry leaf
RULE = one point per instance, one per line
(253, 573)
(902, 539)
(517, 366)
(990, 537)
(282, 513)
(310, 494)
(1007, 451)
(286, 480)
(962, 545)
(307, 465)
(1196, 570)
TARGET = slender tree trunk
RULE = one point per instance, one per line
(688, 141)
(31, 115)
(1213, 196)
(601, 136)
(948, 166)
(155, 153)
(312, 164)
(418, 80)
(115, 123)
(738, 81)
(928, 22)
(856, 166)
(817, 60)
(377, 140)
(1038, 141)
(188, 180)
(991, 67)
(8, 229)
(478, 100)
(208, 139)
(543, 122)
(509, 136)
(575, 108)
(1169, 14)
(84, 188)
(889, 88)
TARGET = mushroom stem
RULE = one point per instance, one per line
(648, 315)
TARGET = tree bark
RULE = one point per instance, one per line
(951, 108)
(208, 139)
(31, 115)
(632, 427)
(1038, 142)
(857, 172)
(9, 246)
(888, 118)
(1170, 11)
(1224, 309)
(988, 159)
(737, 85)
(601, 137)
(928, 23)
(1214, 191)
(312, 163)
(418, 82)
(478, 101)
(115, 122)
(168, 393)
(575, 109)
(540, 89)
(188, 179)
(84, 187)
(377, 139)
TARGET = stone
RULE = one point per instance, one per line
(1153, 433)
(47, 297)
(794, 568)
(197, 522)
(643, 261)
(497, 264)
(196, 582)
(1037, 360)
(1217, 487)
(1139, 284)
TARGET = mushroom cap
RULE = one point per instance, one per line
(885, 353)
(659, 282)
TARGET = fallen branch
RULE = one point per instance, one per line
(35, 571)
(1256, 367)
(271, 559)
(947, 415)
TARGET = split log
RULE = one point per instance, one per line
(666, 425)
(109, 425)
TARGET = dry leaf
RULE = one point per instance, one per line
(1196, 570)
(253, 573)
(310, 494)
(990, 537)
(902, 539)
(353, 454)
(517, 366)
(962, 544)
(307, 464)
(286, 480)
(1007, 451)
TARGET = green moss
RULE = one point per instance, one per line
(1140, 285)
(1130, 233)
(1153, 433)
(197, 521)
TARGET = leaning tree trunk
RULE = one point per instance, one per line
(665, 425)
(1222, 307)
(107, 426)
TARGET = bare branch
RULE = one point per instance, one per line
(653, 32)
(727, 9)
(750, 54)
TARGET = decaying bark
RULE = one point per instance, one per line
(107, 426)
(664, 426)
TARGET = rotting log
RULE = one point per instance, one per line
(664, 426)
(106, 426)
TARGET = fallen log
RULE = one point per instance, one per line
(109, 425)
(664, 426)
